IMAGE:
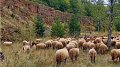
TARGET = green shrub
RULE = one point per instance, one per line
(117, 26)
(74, 26)
(57, 29)
(39, 26)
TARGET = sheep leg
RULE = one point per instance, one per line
(91, 58)
(94, 59)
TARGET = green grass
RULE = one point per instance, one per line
(15, 57)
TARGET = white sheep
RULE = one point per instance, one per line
(26, 48)
(61, 55)
(92, 54)
(74, 53)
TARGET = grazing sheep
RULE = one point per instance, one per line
(80, 43)
(26, 48)
(68, 40)
(91, 45)
(73, 53)
(61, 55)
(54, 44)
(103, 48)
(40, 46)
(38, 40)
(114, 54)
(63, 41)
(92, 54)
(85, 45)
(113, 43)
(70, 46)
(48, 43)
(97, 40)
(59, 45)
(118, 45)
(75, 42)
(7, 43)
(25, 42)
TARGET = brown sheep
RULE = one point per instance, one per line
(73, 53)
(103, 48)
(118, 45)
(59, 45)
(114, 54)
(80, 43)
(85, 45)
(40, 46)
(63, 41)
(70, 46)
(92, 54)
(54, 44)
(61, 55)
(91, 45)
(48, 43)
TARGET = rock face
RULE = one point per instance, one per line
(17, 14)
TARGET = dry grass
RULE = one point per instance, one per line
(15, 57)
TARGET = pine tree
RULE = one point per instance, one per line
(57, 29)
(39, 26)
(74, 26)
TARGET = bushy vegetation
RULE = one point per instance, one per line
(39, 26)
(74, 26)
(57, 29)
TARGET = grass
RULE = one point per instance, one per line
(15, 57)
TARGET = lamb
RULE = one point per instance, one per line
(118, 45)
(7, 43)
(92, 54)
(73, 53)
(26, 48)
(61, 55)
(114, 54)
(40, 46)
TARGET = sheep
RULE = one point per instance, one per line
(85, 45)
(63, 41)
(73, 53)
(80, 43)
(70, 46)
(119, 54)
(59, 45)
(92, 54)
(40, 46)
(26, 48)
(7, 43)
(68, 40)
(114, 54)
(113, 43)
(118, 45)
(75, 42)
(97, 40)
(25, 42)
(91, 45)
(54, 44)
(38, 40)
(103, 48)
(48, 43)
(61, 55)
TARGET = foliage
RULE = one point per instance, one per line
(74, 26)
(39, 26)
(57, 29)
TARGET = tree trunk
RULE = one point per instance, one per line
(110, 23)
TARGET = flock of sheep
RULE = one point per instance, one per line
(68, 48)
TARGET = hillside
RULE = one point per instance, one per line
(17, 18)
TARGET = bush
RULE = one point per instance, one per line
(74, 26)
(117, 26)
(57, 29)
(39, 26)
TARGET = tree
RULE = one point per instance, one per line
(57, 29)
(110, 23)
(39, 26)
(74, 26)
